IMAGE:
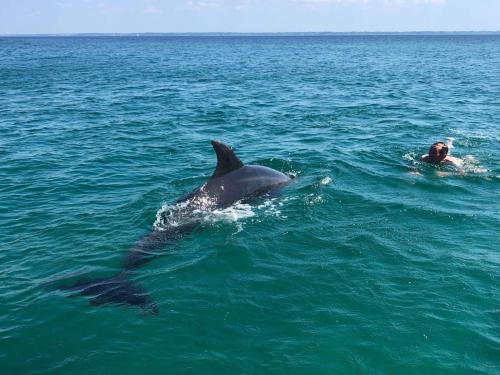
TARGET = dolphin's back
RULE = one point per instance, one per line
(244, 182)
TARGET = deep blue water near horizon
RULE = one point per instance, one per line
(370, 262)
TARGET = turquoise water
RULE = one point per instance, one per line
(370, 262)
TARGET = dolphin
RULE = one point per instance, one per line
(231, 182)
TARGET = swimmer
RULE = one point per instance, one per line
(438, 154)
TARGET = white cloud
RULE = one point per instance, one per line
(203, 4)
(109, 8)
(198, 5)
(243, 4)
(151, 9)
(228, 4)
(63, 4)
(370, 2)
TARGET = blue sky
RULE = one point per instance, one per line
(122, 16)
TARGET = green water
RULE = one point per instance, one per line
(370, 262)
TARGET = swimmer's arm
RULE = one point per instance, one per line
(457, 163)
(454, 161)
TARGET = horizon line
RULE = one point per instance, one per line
(254, 33)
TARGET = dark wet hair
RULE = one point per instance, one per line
(436, 154)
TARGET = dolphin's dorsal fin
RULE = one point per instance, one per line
(227, 161)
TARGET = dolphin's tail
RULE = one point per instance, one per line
(118, 290)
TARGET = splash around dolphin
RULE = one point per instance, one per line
(231, 182)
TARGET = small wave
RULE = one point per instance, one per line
(410, 156)
(240, 212)
(314, 199)
(477, 134)
(326, 181)
(179, 214)
(471, 165)
(236, 212)
(174, 215)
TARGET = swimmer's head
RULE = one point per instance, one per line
(438, 152)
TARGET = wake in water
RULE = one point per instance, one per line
(238, 214)
(472, 166)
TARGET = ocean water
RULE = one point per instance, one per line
(370, 262)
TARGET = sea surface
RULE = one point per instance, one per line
(369, 263)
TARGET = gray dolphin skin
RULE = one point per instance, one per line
(230, 183)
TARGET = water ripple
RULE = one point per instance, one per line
(370, 262)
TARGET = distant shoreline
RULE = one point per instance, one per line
(235, 34)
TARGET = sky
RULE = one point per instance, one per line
(138, 16)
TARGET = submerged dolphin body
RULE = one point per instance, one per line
(231, 182)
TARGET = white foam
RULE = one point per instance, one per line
(236, 212)
(270, 207)
(171, 216)
(326, 181)
(449, 142)
(314, 199)
(471, 165)
(178, 214)
(410, 156)
(478, 133)
(160, 221)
